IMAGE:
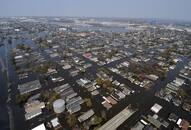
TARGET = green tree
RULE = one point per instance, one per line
(105, 70)
(108, 85)
(96, 120)
(183, 94)
(103, 115)
(99, 81)
(88, 102)
(21, 99)
(50, 97)
(71, 120)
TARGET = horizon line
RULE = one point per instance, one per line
(106, 17)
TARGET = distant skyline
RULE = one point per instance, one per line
(161, 9)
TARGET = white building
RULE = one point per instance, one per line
(156, 108)
(40, 127)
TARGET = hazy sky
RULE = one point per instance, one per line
(166, 9)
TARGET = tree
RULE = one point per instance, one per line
(44, 68)
(21, 99)
(96, 120)
(88, 102)
(105, 70)
(45, 95)
(103, 115)
(112, 53)
(82, 72)
(161, 73)
(99, 81)
(108, 85)
(182, 93)
(71, 120)
(133, 106)
(20, 46)
(166, 54)
(101, 58)
(50, 97)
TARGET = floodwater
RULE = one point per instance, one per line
(102, 29)
(4, 120)
(147, 98)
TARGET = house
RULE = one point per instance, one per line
(33, 109)
(55, 123)
(74, 73)
(82, 82)
(165, 123)
(74, 109)
(67, 66)
(111, 100)
(153, 121)
(152, 77)
(106, 105)
(183, 124)
(51, 71)
(87, 55)
(18, 57)
(62, 88)
(32, 114)
(120, 94)
(62, 29)
(172, 88)
(56, 78)
(116, 83)
(73, 104)
(125, 63)
(86, 115)
(29, 86)
(49, 41)
(53, 55)
(92, 88)
(126, 91)
(135, 59)
(187, 107)
(173, 117)
(95, 92)
(179, 81)
(39, 127)
(138, 126)
(156, 108)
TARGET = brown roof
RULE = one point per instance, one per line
(111, 100)
(184, 124)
